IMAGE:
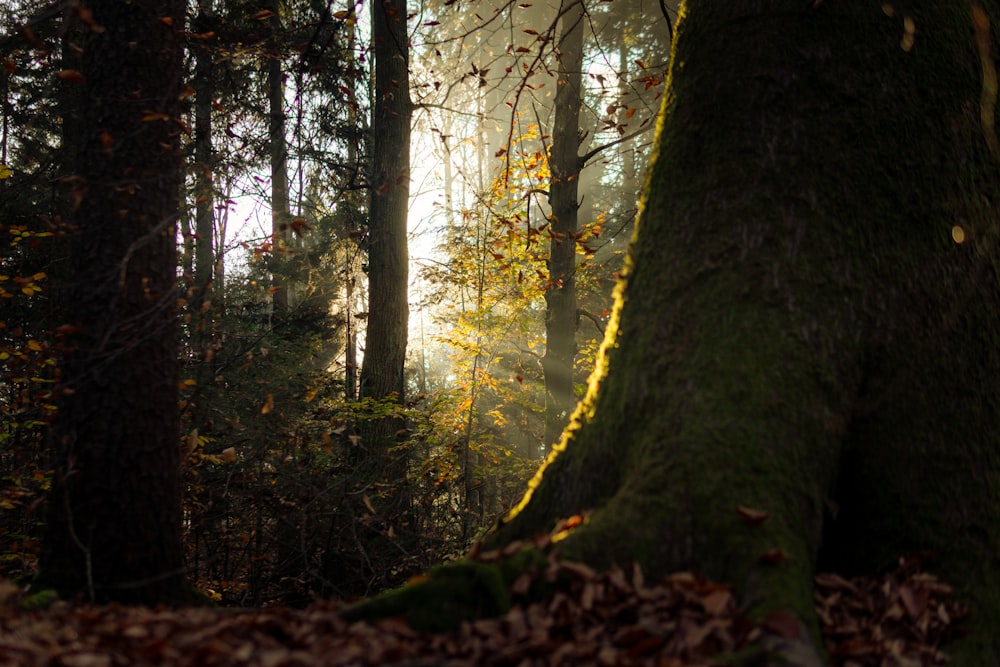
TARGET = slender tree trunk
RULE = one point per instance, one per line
(280, 207)
(219, 270)
(388, 311)
(350, 329)
(810, 316)
(560, 297)
(69, 100)
(352, 269)
(204, 82)
(114, 515)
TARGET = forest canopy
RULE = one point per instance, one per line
(285, 489)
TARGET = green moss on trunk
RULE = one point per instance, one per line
(802, 362)
(799, 332)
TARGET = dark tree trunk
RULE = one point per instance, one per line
(114, 514)
(565, 163)
(798, 328)
(388, 310)
(280, 208)
(204, 82)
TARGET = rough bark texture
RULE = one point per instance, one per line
(382, 375)
(798, 330)
(114, 515)
(560, 297)
(204, 84)
(388, 260)
(281, 214)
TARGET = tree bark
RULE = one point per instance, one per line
(388, 259)
(565, 163)
(204, 254)
(114, 514)
(281, 214)
(809, 317)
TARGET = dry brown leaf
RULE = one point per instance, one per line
(717, 601)
(752, 515)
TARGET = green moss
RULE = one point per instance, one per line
(798, 330)
(450, 594)
(43, 599)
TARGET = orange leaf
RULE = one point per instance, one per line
(70, 76)
(754, 516)
(268, 405)
(716, 602)
(915, 601)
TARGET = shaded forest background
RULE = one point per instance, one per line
(530, 128)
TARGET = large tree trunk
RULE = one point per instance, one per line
(810, 316)
(560, 297)
(114, 515)
(388, 259)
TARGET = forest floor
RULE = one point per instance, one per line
(609, 619)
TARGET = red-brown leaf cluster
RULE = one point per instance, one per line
(898, 620)
(592, 618)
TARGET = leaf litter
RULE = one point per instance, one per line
(605, 619)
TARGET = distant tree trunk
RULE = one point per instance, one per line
(114, 513)
(388, 311)
(352, 268)
(560, 297)
(204, 84)
(809, 323)
(280, 208)
(350, 329)
(68, 100)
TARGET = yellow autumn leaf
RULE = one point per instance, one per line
(268, 405)
(5, 172)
